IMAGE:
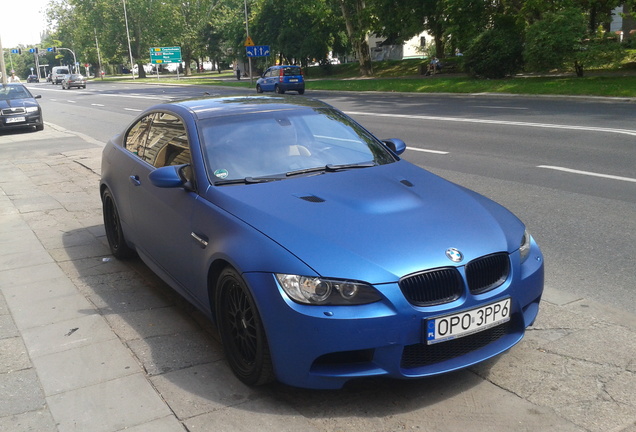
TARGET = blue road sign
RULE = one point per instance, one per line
(15, 51)
(257, 51)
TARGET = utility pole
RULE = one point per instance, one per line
(3, 68)
(247, 32)
(99, 57)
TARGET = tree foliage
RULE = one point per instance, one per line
(558, 32)
(498, 51)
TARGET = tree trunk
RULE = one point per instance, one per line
(357, 33)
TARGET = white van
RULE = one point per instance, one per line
(58, 72)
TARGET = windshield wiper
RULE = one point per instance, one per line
(246, 180)
(330, 168)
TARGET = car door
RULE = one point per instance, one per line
(269, 80)
(162, 216)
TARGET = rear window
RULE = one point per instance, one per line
(291, 71)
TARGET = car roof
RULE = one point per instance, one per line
(221, 106)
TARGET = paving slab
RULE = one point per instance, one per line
(108, 406)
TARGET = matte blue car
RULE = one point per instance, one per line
(280, 79)
(319, 253)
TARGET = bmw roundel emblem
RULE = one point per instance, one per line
(454, 255)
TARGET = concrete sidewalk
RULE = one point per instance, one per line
(89, 343)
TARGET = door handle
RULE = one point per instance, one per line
(135, 180)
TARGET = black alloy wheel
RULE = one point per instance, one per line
(241, 330)
(112, 225)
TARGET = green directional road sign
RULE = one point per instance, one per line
(161, 55)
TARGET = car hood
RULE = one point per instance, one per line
(373, 224)
(17, 103)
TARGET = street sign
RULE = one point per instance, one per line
(249, 42)
(257, 51)
(161, 55)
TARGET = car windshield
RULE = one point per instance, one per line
(279, 144)
(8, 92)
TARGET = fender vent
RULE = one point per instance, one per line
(406, 183)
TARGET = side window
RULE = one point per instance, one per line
(136, 138)
(166, 142)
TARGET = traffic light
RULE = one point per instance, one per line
(52, 49)
(33, 50)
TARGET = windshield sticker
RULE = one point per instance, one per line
(221, 173)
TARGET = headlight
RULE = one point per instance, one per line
(321, 291)
(524, 249)
(31, 109)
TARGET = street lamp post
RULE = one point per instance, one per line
(74, 58)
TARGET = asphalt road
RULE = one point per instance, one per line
(565, 166)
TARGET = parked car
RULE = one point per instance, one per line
(320, 254)
(33, 79)
(73, 80)
(58, 73)
(19, 108)
(281, 79)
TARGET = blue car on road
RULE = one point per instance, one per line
(319, 253)
(280, 79)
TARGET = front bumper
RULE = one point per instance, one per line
(30, 120)
(323, 347)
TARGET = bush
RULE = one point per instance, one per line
(497, 52)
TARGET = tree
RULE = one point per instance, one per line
(297, 30)
(357, 20)
(498, 51)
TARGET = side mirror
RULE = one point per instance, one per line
(396, 145)
(172, 176)
(37, 97)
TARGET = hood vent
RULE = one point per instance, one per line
(312, 198)
(406, 183)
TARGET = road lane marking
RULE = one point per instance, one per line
(132, 109)
(499, 122)
(427, 150)
(588, 173)
(99, 105)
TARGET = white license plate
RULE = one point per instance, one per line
(464, 323)
(16, 119)
(293, 80)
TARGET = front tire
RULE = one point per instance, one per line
(241, 330)
(259, 89)
(114, 232)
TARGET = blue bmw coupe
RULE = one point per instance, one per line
(320, 254)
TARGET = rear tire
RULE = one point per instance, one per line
(301, 92)
(114, 232)
(241, 330)
(279, 90)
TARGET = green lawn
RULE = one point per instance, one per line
(404, 76)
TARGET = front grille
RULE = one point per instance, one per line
(419, 355)
(487, 273)
(433, 287)
(11, 111)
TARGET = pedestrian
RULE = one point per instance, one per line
(14, 78)
(238, 72)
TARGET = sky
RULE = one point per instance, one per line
(21, 22)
